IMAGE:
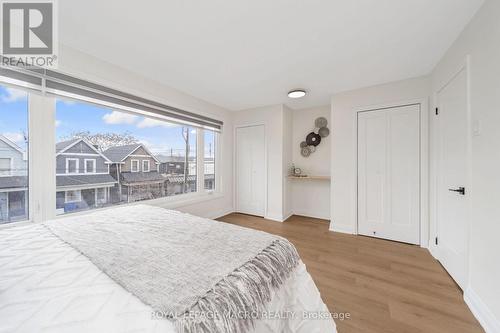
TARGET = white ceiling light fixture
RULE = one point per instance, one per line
(297, 93)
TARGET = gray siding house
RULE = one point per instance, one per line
(13, 182)
(136, 170)
(82, 176)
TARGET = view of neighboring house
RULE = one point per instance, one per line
(209, 170)
(88, 178)
(171, 164)
(136, 170)
(172, 167)
(13, 182)
(83, 177)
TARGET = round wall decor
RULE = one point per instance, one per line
(324, 132)
(305, 152)
(321, 122)
(313, 139)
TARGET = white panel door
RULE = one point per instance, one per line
(250, 170)
(389, 173)
(451, 201)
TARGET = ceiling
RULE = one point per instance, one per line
(249, 53)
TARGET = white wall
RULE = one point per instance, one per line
(311, 197)
(285, 129)
(480, 40)
(272, 118)
(288, 132)
(344, 141)
(92, 69)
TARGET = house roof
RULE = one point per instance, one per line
(142, 177)
(64, 144)
(13, 182)
(80, 180)
(10, 143)
(118, 153)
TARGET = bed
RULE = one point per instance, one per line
(50, 282)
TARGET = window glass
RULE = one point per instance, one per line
(73, 196)
(145, 166)
(134, 166)
(209, 160)
(136, 157)
(72, 165)
(90, 166)
(5, 166)
(13, 155)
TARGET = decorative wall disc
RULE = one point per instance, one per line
(321, 122)
(324, 132)
(313, 139)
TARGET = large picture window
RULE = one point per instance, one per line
(13, 155)
(123, 157)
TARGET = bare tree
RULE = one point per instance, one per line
(104, 141)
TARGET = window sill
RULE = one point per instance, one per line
(179, 201)
(183, 200)
(15, 224)
(174, 202)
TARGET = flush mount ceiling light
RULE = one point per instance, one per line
(297, 93)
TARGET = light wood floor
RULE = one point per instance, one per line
(385, 286)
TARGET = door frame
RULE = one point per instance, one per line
(235, 166)
(424, 161)
(436, 159)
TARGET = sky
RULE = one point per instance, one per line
(14, 115)
(159, 137)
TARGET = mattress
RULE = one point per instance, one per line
(47, 286)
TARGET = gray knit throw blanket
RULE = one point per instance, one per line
(201, 274)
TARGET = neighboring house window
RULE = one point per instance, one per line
(14, 155)
(134, 165)
(145, 166)
(73, 196)
(5, 166)
(72, 165)
(90, 166)
(101, 196)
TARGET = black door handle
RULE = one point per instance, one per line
(460, 190)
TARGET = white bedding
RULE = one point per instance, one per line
(47, 286)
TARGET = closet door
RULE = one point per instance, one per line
(250, 170)
(389, 173)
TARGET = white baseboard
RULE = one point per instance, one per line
(274, 218)
(345, 229)
(221, 213)
(482, 313)
(312, 215)
(287, 216)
